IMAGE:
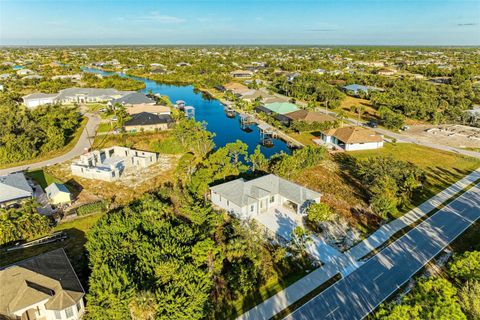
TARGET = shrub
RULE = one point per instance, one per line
(90, 208)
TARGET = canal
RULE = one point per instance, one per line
(211, 111)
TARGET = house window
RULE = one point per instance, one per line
(79, 306)
(69, 312)
(58, 314)
(251, 208)
(272, 199)
(228, 203)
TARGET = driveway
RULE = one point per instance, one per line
(282, 221)
(82, 143)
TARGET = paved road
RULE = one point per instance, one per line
(355, 296)
(82, 143)
(384, 233)
(404, 136)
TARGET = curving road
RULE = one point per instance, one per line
(82, 143)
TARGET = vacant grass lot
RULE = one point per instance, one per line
(73, 246)
(43, 178)
(442, 168)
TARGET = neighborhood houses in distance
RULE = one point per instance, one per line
(242, 160)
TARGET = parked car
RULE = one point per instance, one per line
(372, 124)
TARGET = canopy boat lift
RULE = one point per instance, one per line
(266, 135)
(245, 122)
(230, 112)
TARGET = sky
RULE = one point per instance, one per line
(237, 22)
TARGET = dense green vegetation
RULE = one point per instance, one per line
(23, 223)
(169, 255)
(26, 134)
(454, 297)
(390, 182)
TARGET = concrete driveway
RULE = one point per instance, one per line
(282, 221)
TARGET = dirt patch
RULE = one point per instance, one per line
(450, 135)
(130, 186)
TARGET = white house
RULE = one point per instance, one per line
(58, 193)
(352, 138)
(74, 95)
(43, 287)
(246, 199)
(109, 164)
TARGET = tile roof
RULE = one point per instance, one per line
(353, 134)
(309, 116)
(133, 98)
(48, 276)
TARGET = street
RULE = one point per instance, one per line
(355, 296)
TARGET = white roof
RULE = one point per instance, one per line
(56, 188)
(14, 186)
(243, 192)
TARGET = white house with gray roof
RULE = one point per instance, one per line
(74, 95)
(246, 199)
(14, 187)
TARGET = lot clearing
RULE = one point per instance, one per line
(452, 135)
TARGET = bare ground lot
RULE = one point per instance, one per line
(448, 134)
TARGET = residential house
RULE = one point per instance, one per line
(352, 138)
(109, 164)
(24, 72)
(386, 72)
(74, 95)
(238, 88)
(58, 193)
(357, 88)
(44, 287)
(155, 109)
(246, 199)
(146, 121)
(131, 99)
(14, 188)
(309, 116)
(73, 77)
(281, 107)
(241, 74)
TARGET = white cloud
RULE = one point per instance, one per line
(155, 16)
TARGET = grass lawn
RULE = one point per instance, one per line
(73, 246)
(55, 153)
(442, 168)
(469, 240)
(43, 178)
(304, 137)
(105, 127)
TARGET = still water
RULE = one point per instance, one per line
(211, 111)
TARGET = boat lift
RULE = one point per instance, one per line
(189, 112)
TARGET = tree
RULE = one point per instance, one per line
(384, 197)
(319, 212)
(466, 266)
(258, 160)
(469, 299)
(300, 240)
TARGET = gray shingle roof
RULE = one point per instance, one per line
(146, 118)
(133, 98)
(243, 192)
(14, 186)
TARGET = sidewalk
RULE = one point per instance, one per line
(302, 287)
(384, 233)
